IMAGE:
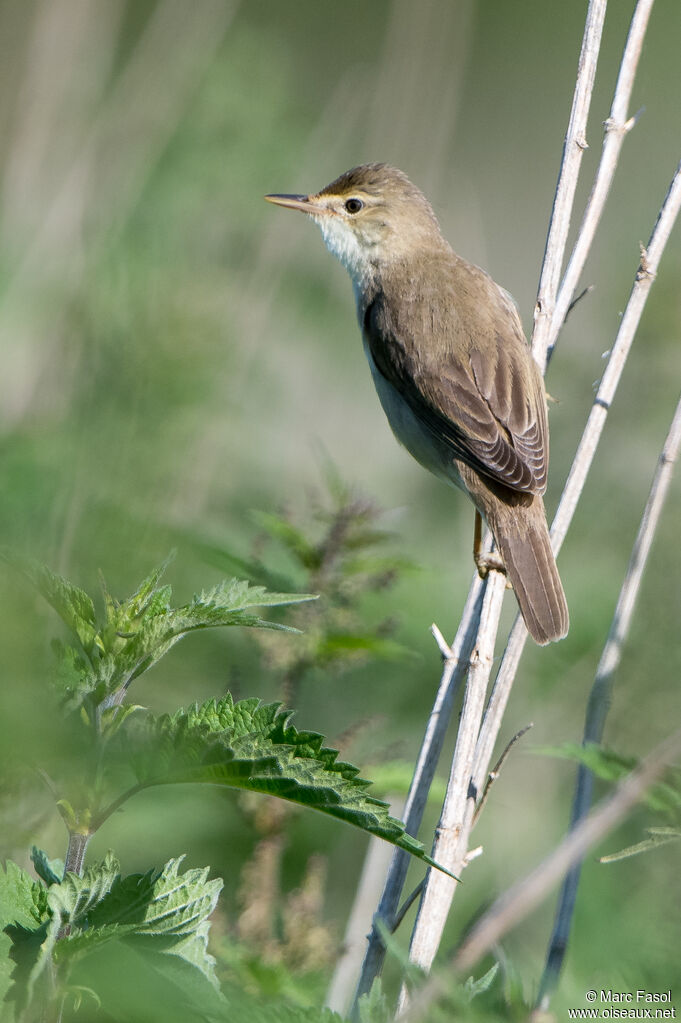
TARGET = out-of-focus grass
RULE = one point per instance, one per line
(173, 350)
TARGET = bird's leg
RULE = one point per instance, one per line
(484, 562)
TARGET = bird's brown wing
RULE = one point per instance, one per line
(490, 413)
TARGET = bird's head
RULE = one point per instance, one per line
(369, 216)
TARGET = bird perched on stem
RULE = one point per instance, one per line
(452, 368)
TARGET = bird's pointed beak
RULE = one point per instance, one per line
(304, 203)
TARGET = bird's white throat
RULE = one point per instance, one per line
(342, 242)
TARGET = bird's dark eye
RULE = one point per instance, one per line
(354, 205)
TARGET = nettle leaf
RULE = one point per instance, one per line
(166, 911)
(253, 746)
(73, 672)
(23, 925)
(147, 598)
(72, 604)
(23, 901)
(373, 1007)
(50, 871)
(160, 626)
(137, 632)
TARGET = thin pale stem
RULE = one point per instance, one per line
(116, 804)
(455, 666)
(601, 695)
(582, 463)
(616, 127)
(573, 150)
(459, 806)
(523, 897)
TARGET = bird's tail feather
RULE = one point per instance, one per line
(532, 570)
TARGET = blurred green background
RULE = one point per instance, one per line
(175, 353)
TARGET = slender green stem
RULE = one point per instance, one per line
(75, 854)
(118, 802)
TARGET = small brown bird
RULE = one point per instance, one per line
(452, 368)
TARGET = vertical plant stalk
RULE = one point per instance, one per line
(460, 800)
(601, 695)
(456, 661)
(617, 127)
(75, 854)
(353, 946)
(573, 150)
(516, 903)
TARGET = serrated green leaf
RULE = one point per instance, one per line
(68, 902)
(237, 595)
(139, 602)
(73, 671)
(373, 1006)
(50, 871)
(72, 604)
(142, 629)
(22, 900)
(225, 605)
(253, 746)
(169, 910)
(76, 896)
(166, 911)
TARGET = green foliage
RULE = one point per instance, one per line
(656, 838)
(70, 935)
(156, 916)
(49, 871)
(136, 633)
(253, 746)
(473, 987)
(373, 1007)
(663, 798)
(22, 900)
(337, 550)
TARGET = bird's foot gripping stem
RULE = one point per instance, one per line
(485, 563)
